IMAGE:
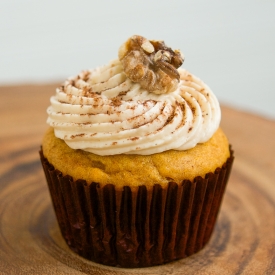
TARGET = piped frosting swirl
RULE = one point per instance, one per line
(104, 112)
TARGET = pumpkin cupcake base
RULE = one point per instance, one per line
(136, 226)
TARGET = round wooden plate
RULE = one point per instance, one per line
(243, 241)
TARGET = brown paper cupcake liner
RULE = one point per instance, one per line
(136, 227)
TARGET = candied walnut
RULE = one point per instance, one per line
(151, 63)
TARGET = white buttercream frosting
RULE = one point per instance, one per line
(103, 112)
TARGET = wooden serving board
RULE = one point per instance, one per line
(243, 241)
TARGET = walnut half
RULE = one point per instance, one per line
(151, 63)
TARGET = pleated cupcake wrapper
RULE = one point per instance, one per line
(140, 226)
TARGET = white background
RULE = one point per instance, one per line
(228, 44)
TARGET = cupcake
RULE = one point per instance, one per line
(134, 158)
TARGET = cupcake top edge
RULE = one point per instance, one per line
(140, 103)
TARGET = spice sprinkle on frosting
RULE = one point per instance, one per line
(106, 111)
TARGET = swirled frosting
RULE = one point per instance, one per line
(103, 112)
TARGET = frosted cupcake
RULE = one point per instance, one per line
(134, 158)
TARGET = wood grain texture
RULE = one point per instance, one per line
(243, 241)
